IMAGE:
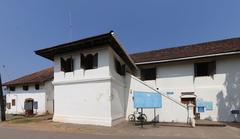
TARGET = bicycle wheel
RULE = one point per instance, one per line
(131, 118)
(142, 118)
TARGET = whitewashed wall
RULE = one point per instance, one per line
(83, 103)
(223, 89)
(20, 96)
(83, 96)
(49, 99)
(79, 73)
(170, 111)
(118, 93)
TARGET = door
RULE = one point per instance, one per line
(28, 106)
(190, 100)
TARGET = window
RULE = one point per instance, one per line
(35, 105)
(12, 88)
(67, 65)
(119, 68)
(205, 69)
(148, 74)
(89, 62)
(25, 88)
(8, 105)
(37, 87)
(13, 102)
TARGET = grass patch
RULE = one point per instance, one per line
(19, 119)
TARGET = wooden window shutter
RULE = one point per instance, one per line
(83, 65)
(13, 102)
(69, 65)
(63, 65)
(212, 68)
(95, 61)
(123, 70)
(195, 69)
(72, 64)
(118, 66)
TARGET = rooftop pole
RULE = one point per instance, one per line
(3, 117)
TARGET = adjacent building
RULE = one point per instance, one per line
(31, 94)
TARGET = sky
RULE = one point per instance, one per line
(29, 25)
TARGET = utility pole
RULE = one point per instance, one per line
(3, 116)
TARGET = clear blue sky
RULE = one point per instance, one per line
(29, 25)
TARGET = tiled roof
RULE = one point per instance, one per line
(89, 43)
(37, 77)
(202, 49)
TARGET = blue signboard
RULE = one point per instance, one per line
(208, 105)
(200, 102)
(205, 105)
(147, 100)
(200, 109)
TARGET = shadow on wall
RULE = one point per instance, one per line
(229, 100)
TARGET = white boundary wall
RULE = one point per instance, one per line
(170, 111)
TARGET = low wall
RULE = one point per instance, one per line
(171, 111)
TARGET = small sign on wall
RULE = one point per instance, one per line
(170, 93)
(204, 105)
(200, 109)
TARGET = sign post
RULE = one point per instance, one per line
(3, 117)
(147, 100)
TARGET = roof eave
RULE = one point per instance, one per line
(187, 58)
(107, 38)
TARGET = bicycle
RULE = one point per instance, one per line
(137, 116)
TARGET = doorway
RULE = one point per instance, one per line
(190, 100)
(28, 106)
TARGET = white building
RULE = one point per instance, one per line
(32, 94)
(94, 80)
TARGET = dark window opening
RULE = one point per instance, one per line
(67, 65)
(148, 74)
(37, 86)
(12, 88)
(25, 88)
(205, 69)
(89, 62)
(13, 102)
(120, 68)
(8, 105)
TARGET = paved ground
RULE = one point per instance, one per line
(168, 132)
(44, 128)
(16, 133)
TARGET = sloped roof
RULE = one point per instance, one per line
(188, 51)
(202, 49)
(37, 77)
(89, 43)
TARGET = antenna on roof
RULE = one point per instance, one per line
(70, 25)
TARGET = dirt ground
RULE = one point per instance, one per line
(44, 123)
